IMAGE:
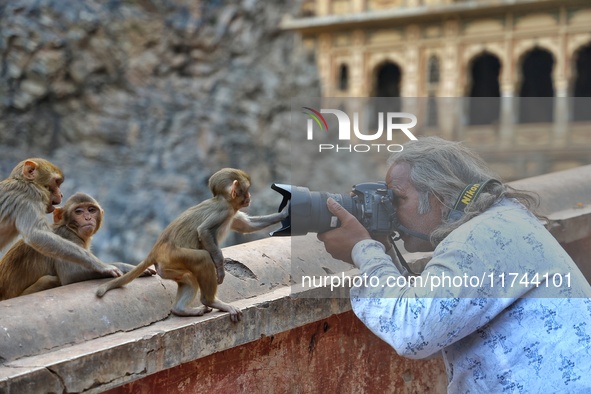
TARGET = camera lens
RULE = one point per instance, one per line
(309, 212)
(370, 203)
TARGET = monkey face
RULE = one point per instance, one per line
(239, 194)
(55, 194)
(86, 219)
(45, 175)
(246, 202)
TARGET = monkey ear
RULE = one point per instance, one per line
(99, 222)
(58, 214)
(30, 170)
(234, 189)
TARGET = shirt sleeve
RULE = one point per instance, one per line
(418, 318)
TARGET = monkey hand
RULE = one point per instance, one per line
(221, 273)
(125, 268)
(111, 270)
(149, 272)
(218, 261)
(284, 212)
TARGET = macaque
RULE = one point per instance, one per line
(31, 191)
(187, 251)
(23, 270)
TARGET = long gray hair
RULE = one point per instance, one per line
(444, 168)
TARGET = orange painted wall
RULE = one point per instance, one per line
(335, 355)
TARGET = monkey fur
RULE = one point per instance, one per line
(23, 270)
(187, 251)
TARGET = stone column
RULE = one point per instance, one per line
(410, 75)
(447, 110)
(451, 109)
(561, 107)
(509, 102)
(322, 7)
(357, 6)
(323, 58)
(507, 121)
(357, 80)
(560, 112)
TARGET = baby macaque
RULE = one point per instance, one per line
(187, 251)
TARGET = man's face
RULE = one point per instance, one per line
(407, 206)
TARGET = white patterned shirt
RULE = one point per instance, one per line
(514, 316)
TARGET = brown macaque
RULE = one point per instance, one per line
(187, 251)
(23, 270)
(31, 191)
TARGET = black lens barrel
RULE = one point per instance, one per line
(308, 210)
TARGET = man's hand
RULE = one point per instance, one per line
(340, 241)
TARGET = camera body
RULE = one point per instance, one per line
(372, 203)
(374, 207)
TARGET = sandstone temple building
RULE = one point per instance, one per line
(511, 78)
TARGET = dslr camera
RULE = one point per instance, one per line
(372, 203)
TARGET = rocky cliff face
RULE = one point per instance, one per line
(139, 101)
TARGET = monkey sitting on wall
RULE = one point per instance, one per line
(187, 251)
(31, 191)
(23, 270)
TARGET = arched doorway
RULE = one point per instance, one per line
(343, 81)
(537, 88)
(387, 81)
(485, 91)
(582, 85)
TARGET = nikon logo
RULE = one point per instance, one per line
(469, 194)
(391, 120)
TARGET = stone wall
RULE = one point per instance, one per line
(140, 101)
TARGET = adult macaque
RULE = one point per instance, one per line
(31, 191)
(23, 270)
(187, 251)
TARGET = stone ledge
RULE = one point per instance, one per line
(67, 340)
(45, 321)
(561, 190)
(33, 324)
(106, 362)
(565, 199)
(385, 17)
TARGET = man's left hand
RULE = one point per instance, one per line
(340, 241)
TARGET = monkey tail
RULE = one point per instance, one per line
(125, 279)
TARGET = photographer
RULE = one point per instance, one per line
(496, 331)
